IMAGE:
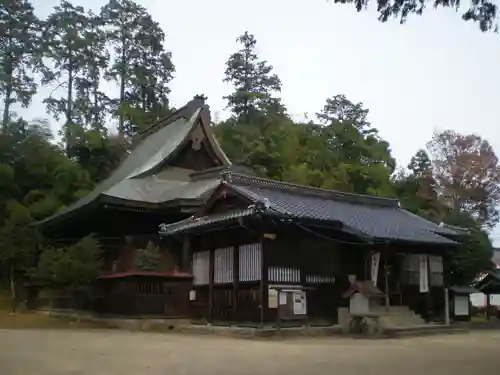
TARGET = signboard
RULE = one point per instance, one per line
(273, 299)
(299, 303)
(192, 295)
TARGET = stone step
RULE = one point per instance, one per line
(424, 330)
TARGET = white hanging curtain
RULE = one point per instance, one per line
(375, 258)
(424, 274)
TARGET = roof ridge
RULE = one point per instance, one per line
(186, 111)
(232, 177)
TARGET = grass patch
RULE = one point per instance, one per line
(39, 321)
(479, 319)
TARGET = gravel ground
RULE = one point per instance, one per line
(109, 352)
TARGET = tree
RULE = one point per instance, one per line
(65, 47)
(483, 12)
(336, 156)
(474, 254)
(17, 244)
(141, 66)
(417, 190)
(467, 175)
(253, 81)
(148, 259)
(74, 267)
(341, 110)
(362, 160)
(19, 47)
(91, 102)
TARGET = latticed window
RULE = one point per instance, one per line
(436, 268)
(410, 273)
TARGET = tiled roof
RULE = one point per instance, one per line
(134, 179)
(463, 289)
(194, 222)
(375, 217)
(165, 274)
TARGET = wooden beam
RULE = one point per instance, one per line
(186, 254)
(264, 283)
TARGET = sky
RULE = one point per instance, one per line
(435, 72)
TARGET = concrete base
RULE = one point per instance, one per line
(265, 332)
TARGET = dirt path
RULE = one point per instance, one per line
(55, 352)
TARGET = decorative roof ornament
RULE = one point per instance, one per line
(263, 205)
(226, 176)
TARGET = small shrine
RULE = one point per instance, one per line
(365, 300)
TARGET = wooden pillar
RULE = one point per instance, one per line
(386, 279)
(264, 283)
(236, 279)
(488, 306)
(211, 287)
(186, 254)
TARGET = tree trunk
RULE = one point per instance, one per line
(8, 95)
(121, 119)
(69, 107)
(12, 280)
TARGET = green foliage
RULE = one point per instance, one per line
(475, 253)
(254, 84)
(142, 66)
(483, 12)
(148, 259)
(19, 52)
(74, 267)
(345, 154)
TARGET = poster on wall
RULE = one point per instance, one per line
(461, 305)
(374, 268)
(299, 303)
(192, 295)
(272, 300)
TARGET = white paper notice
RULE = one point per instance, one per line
(192, 295)
(424, 274)
(273, 299)
(283, 298)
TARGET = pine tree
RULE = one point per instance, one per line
(91, 102)
(19, 53)
(65, 47)
(141, 66)
(254, 83)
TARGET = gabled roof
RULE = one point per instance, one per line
(135, 180)
(366, 288)
(489, 282)
(373, 217)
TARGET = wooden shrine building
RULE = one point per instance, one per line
(268, 252)
(166, 178)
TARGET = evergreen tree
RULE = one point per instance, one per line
(254, 83)
(91, 102)
(141, 66)
(19, 53)
(65, 47)
(483, 12)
